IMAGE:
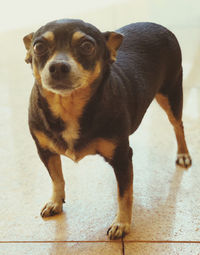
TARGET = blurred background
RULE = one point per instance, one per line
(22, 174)
(106, 13)
(181, 16)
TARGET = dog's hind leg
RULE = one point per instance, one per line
(122, 164)
(171, 100)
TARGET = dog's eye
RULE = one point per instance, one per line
(87, 47)
(40, 48)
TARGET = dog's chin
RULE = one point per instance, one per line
(60, 89)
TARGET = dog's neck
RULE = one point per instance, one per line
(67, 107)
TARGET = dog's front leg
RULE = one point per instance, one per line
(53, 164)
(122, 164)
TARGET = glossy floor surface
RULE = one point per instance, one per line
(166, 212)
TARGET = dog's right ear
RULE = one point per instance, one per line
(113, 42)
(27, 42)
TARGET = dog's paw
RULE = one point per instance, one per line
(51, 209)
(184, 160)
(118, 230)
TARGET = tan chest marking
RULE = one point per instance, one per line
(100, 146)
(69, 109)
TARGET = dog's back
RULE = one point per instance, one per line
(148, 62)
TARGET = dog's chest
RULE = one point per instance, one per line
(71, 133)
(69, 110)
(64, 143)
(69, 137)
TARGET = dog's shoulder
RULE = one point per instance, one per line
(41, 117)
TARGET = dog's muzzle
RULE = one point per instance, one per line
(61, 74)
(59, 70)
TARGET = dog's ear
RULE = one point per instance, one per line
(113, 42)
(27, 42)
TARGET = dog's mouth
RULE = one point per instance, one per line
(61, 87)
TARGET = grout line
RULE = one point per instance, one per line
(123, 248)
(161, 241)
(24, 242)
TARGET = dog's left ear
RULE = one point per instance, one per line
(27, 42)
(113, 42)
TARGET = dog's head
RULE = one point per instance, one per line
(69, 54)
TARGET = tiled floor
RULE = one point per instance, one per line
(166, 214)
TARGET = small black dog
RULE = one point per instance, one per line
(91, 92)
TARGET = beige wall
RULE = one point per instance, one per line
(104, 13)
(180, 16)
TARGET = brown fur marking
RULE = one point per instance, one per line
(49, 36)
(113, 43)
(55, 168)
(177, 124)
(37, 75)
(46, 142)
(77, 36)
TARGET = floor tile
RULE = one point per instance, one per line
(61, 248)
(161, 249)
(87, 213)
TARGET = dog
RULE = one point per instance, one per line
(90, 94)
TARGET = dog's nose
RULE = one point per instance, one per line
(59, 70)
